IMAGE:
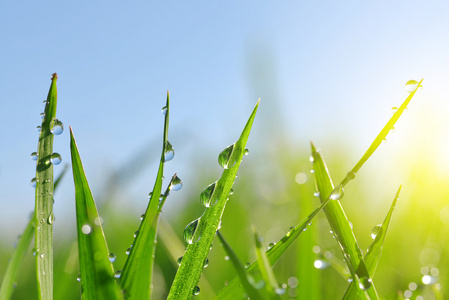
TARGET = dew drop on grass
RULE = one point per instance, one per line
(78, 278)
(206, 195)
(34, 182)
(247, 265)
(176, 183)
(45, 102)
(169, 152)
(150, 195)
(35, 251)
(142, 216)
(245, 152)
(411, 85)
(375, 231)
(38, 129)
(51, 219)
(227, 258)
(189, 232)
(34, 156)
(55, 158)
(206, 263)
(42, 115)
(128, 251)
(394, 109)
(42, 255)
(337, 193)
(196, 291)
(56, 127)
(316, 194)
(271, 245)
(280, 291)
(136, 233)
(112, 257)
(86, 229)
(225, 159)
(350, 175)
(164, 110)
(118, 274)
(179, 260)
(365, 283)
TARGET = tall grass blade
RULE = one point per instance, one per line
(13, 269)
(375, 250)
(138, 270)
(271, 285)
(250, 290)
(340, 226)
(201, 233)
(234, 289)
(97, 273)
(44, 198)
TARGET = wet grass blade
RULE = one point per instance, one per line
(201, 232)
(340, 226)
(271, 284)
(234, 290)
(97, 273)
(138, 270)
(44, 198)
(375, 250)
(13, 269)
(250, 290)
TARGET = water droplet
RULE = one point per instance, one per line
(34, 156)
(42, 255)
(316, 194)
(56, 127)
(337, 193)
(179, 260)
(164, 110)
(350, 279)
(394, 109)
(142, 216)
(35, 251)
(375, 231)
(365, 283)
(279, 291)
(112, 257)
(271, 245)
(411, 85)
(245, 152)
(226, 159)
(128, 251)
(86, 229)
(176, 183)
(78, 278)
(42, 115)
(206, 195)
(320, 264)
(51, 219)
(169, 152)
(206, 263)
(45, 102)
(118, 274)
(38, 129)
(189, 232)
(55, 158)
(136, 233)
(350, 175)
(34, 181)
(312, 171)
(196, 291)
(150, 195)
(227, 258)
(247, 265)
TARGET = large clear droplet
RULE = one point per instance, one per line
(34, 156)
(111, 257)
(375, 231)
(411, 85)
(245, 152)
(350, 175)
(176, 183)
(56, 127)
(169, 152)
(189, 232)
(226, 159)
(34, 182)
(337, 193)
(51, 219)
(196, 291)
(365, 283)
(164, 110)
(206, 195)
(56, 158)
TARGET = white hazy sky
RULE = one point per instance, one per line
(325, 71)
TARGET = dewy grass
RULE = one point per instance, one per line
(97, 275)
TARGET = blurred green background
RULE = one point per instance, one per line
(326, 72)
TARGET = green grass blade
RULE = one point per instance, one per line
(341, 227)
(380, 137)
(189, 272)
(271, 284)
(97, 273)
(44, 199)
(13, 269)
(241, 271)
(375, 250)
(138, 270)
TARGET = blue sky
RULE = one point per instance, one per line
(325, 72)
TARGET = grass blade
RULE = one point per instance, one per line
(271, 285)
(375, 250)
(340, 226)
(138, 270)
(44, 198)
(203, 229)
(97, 273)
(241, 271)
(234, 289)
